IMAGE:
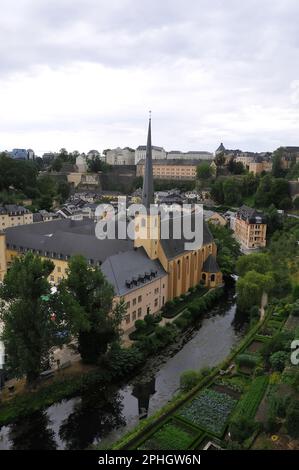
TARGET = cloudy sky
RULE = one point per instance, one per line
(82, 74)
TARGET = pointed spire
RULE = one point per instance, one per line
(148, 181)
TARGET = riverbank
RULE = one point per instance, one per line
(124, 364)
(153, 424)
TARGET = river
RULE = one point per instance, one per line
(102, 415)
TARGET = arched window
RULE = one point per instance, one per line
(212, 277)
(204, 276)
(179, 269)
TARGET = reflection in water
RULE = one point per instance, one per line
(32, 433)
(97, 414)
(102, 415)
(143, 391)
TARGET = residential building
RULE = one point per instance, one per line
(214, 218)
(22, 154)
(191, 155)
(12, 215)
(260, 165)
(118, 156)
(250, 228)
(171, 169)
(158, 153)
(290, 156)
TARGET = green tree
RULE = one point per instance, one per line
(57, 164)
(94, 295)
(278, 360)
(276, 162)
(63, 190)
(251, 287)
(204, 171)
(228, 249)
(241, 428)
(220, 159)
(260, 262)
(29, 327)
(292, 421)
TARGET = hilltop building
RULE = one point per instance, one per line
(250, 228)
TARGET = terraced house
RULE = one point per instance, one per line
(12, 215)
(145, 272)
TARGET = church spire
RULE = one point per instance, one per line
(148, 182)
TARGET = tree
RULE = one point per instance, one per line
(241, 428)
(57, 164)
(94, 295)
(260, 262)
(232, 191)
(95, 164)
(29, 327)
(278, 360)
(219, 159)
(276, 162)
(292, 421)
(204, 171)
(251, 287)
(63, 190)
(228, 249)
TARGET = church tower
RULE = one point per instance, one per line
(147, 223)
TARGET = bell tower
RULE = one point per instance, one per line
(147, 223)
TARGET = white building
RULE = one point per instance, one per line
(81, 163)
(191, 155)
(158, 153)
(118, 156)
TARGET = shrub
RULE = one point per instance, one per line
(295, 309)
(278, 360)
(241, 428)
(189, 379)
(140, 325)
(246, 360)
(181, 323)
(292, 418)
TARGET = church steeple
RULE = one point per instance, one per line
(148, 182)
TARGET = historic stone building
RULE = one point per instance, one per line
(250, 228)
(145, 272)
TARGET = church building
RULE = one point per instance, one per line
(145, 272)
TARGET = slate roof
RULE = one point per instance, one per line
(251, 214)
(62, 238)
(174, 247)
(13, 209)
(123, 267)
(210, 265)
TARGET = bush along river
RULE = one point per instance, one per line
(101, 416)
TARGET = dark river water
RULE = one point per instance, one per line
(102, 415)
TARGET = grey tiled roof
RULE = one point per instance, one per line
(63, 238)
(13, 209)
(174, 247)
(123, 267)
(210, 265)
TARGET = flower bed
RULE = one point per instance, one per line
(209, 410)
(174, 435)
